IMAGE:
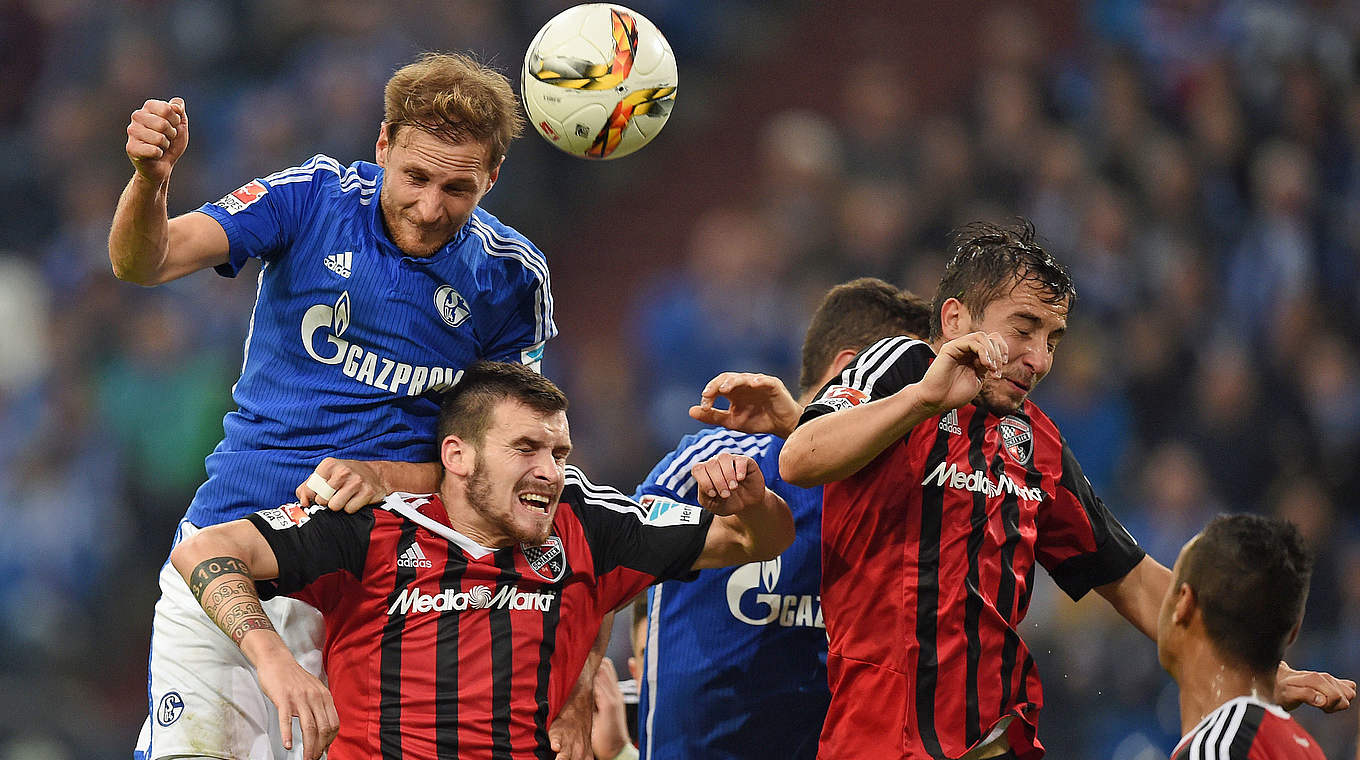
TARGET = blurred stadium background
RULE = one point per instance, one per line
(1195, 162)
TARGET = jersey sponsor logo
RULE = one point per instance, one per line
(978, 482)
(239, 199)
(548, 561)
(1017, 439)
(452, 307)
(532, 357)
(949, 423)
(478, 598)
(413, 557)
(289, 515)
(843, 397)
(170, 708)
(361, 363)
(663, 512)
(765, 606)
(340, 263)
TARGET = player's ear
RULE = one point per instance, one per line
(954, 319)
(1186, 604)
(842, 360)
(457, 456)
(380, 150)
(495, 174)
(1293, 633)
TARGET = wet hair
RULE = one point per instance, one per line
(854, 314)
(989, 261)
(1250, 577)
(465, 410)
(455, 98)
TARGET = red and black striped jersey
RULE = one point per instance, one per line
(1247, 729)
(438, 648)
(928, 557)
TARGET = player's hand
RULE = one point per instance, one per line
(756, 404)
(158, 134)
(1324, 691)
(346, 484)
(956, 375)
(299, 694)
(569, 734)
(729, 483)
(609, 733)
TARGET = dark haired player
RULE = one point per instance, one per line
(941, 496)
(458, 621)
(736, 659)
(1234, 605)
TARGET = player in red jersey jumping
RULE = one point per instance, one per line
(941, 497)
(1235, 604)
(457, 622)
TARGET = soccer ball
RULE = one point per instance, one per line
(598, 81)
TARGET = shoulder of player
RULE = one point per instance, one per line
(505, 246)
(898, 352)
(359, 178)
(1231, 730)
(674, 471)
(583, 495)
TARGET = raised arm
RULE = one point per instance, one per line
(835, 446)
(753, 523)
(221, 565)
(145, 245)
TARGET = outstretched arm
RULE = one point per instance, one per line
(753, 523)
(221, 564)
(1138, 597)
(145, 245)
(837, 445)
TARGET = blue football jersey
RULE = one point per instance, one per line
(349, 334)
(735, 663)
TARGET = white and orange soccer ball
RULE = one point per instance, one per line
(598, 81)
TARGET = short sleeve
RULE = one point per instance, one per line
(878, 371)
(262, 217)
(311, 542)
(1080, 542)
(525, 297)
(636, 544)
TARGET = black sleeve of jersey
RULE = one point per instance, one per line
(621, 534)
(1116, 551)
(879, 370)
(307, 548)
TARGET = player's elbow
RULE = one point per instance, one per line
(795, 464)
(127, 272)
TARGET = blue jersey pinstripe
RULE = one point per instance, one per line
(736, 659)
(349, 335)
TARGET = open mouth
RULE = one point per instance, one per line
(535, 502)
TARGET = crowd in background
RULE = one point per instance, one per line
(1196, 164)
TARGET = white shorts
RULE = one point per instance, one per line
(203, 696)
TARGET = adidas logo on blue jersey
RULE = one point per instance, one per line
(340, 263)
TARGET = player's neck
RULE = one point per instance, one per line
(1207, 681)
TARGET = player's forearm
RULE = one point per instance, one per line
(139, 238)
(756, 534)
(837, 445)
(411, 477)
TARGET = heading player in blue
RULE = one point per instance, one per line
(735, 663)
(379, 282)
